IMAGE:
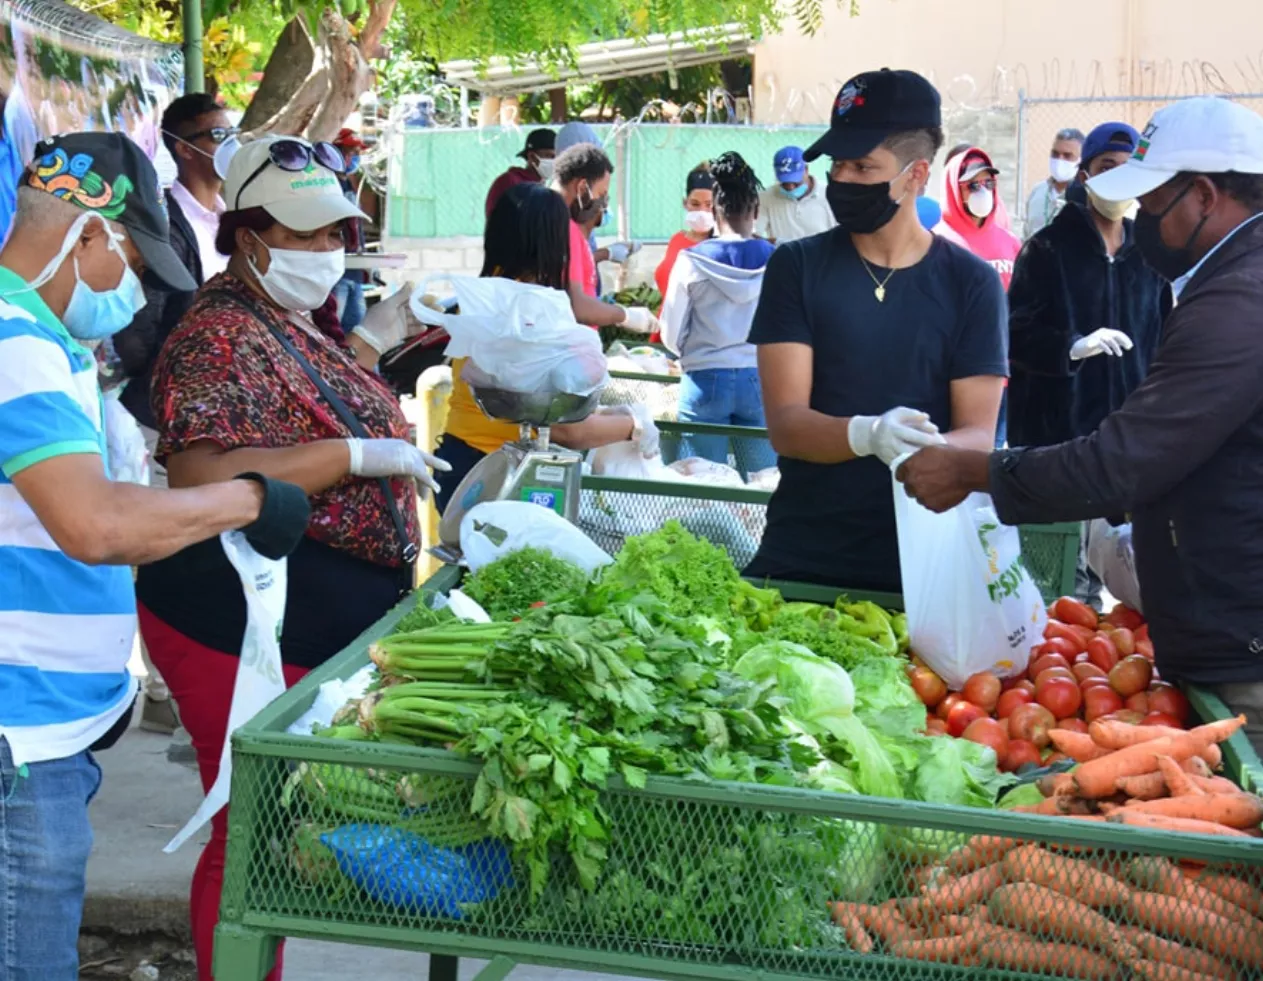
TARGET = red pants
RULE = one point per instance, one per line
(201, 682)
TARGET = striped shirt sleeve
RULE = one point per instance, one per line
(41, 415)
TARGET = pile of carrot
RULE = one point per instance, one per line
(1151, 777)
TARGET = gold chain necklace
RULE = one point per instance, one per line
(879, 290)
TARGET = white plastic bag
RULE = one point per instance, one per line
(971, 604)
(625, 460)
(1111, 557)
(496, 528)
(124, 442)
(259, 676)
(702, 471)
(519, 337)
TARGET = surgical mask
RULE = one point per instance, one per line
(863, 209)
(92, 316)
(583, 212)
(544, 167)
(980, 203)
(606, 218)
(353, 164)
(222, 156)
(299, 280)
(795, 193)
(1109, 210)
(1062, 171)
(701, 222)
(1165, 261)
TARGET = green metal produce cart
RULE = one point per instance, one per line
(704, 880)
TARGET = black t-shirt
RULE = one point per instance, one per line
(942, 319)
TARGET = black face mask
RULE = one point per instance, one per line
(862, 209)
(1167, 262)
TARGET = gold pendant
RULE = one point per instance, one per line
(880, 293)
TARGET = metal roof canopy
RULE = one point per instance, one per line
(604, 60)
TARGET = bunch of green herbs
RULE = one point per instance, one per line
(513, 584)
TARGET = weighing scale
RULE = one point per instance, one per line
(531, 469)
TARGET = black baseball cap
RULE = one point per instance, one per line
(109, 174)
(539, 139)
(873, 106)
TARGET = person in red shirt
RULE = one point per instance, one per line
(699, 222)
(540, 149)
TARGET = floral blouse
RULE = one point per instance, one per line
(222, 376)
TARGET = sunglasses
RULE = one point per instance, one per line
(294, 157)
(217, 134)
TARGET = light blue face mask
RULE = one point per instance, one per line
(797, 193)
(606, 218)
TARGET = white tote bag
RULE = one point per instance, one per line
(971, 604)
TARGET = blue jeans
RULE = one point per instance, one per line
(725, 397)
(45, 839)
(349, 294)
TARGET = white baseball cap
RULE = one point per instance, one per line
(1202, 135)
(304, 199)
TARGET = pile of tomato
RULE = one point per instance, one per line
(1088, 667)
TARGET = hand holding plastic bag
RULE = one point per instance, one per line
(892, 434)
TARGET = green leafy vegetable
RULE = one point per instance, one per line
(690, 575)
(511, 585)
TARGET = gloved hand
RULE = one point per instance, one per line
(282, 519)
(1106, 340)
(892, 434)
(621, 251)
(639, 319)
(393, 458)
(644, 430)
(389, 323)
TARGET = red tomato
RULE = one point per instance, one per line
(1122, 616)
(1011, 699)
(1127, 716)
(1061, 696)
(935, 727)
(1138, 702)
(1169, 700)
(1070, 610)
(1086, 669)
(1141, 632)
(1124, 640)
(988, 732)
(961, 715)
(1161, 719)
(983, 689)
(1093, 681)
(1102, 652)
(1057, 629)
(1031, 723)
(1047, 673)
(947, 704)
(1145, 648)
(930, 688)
(1059, 645)
(1100, 700)
(1131, 675)
(1046, 661)
(1021, 752)
(1074, 725)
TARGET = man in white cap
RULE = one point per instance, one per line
(1183, 455)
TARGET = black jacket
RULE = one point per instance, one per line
(138, 344)
(1065, 286)
(1184, 455)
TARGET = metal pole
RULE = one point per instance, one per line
(1021, 155)
(624, 182)
(464, 107)
(194, 71)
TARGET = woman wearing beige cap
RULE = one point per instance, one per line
(248, 383)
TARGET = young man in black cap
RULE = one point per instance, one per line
(875, 338)
(89, 222)
(538, 153)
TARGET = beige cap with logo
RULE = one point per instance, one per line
(303, 200)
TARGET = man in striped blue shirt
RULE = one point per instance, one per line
(89, 222)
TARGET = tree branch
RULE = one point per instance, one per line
(379, 14)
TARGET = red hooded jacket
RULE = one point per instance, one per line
(992, 241)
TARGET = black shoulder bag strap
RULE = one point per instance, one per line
(408, 548)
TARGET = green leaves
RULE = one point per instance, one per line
(510, 586)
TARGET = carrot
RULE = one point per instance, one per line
(1234, 810)
(1099, 777)
(1178, 782)
(1169, 952)
(1120, 735)
(1077, 745)
(1197, 767)
(1055, 806)
(1046, 913)
(886, 923)
(1234, 890)
(1160, 822)
(856, 936)
(940, 949)
(1061, 960)
(1178, 918)
(951, 925)
(1154, 874)
(958, 896)
(1069, 876)
(980, 850)
(1165, 971)
(1147, 786)
(1215, 785)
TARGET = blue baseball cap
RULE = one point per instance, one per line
(789, 165)
(1107, 137)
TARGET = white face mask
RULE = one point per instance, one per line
(544, 167)
(980, 203)
(701, 222)
(1062, 171)
(299, 280)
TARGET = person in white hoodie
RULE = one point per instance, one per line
(706, 316)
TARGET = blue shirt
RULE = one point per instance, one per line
(66, 628)
(10, 176)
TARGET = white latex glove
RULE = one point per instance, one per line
(388, 323)
(644, 430)
(892, 434)
(621, 251)
(1106, 340)
(639, 319)
(394, 458)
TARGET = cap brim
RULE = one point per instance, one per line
(849, 144)
(306, 215)
(1132, 180)
(161, 260)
